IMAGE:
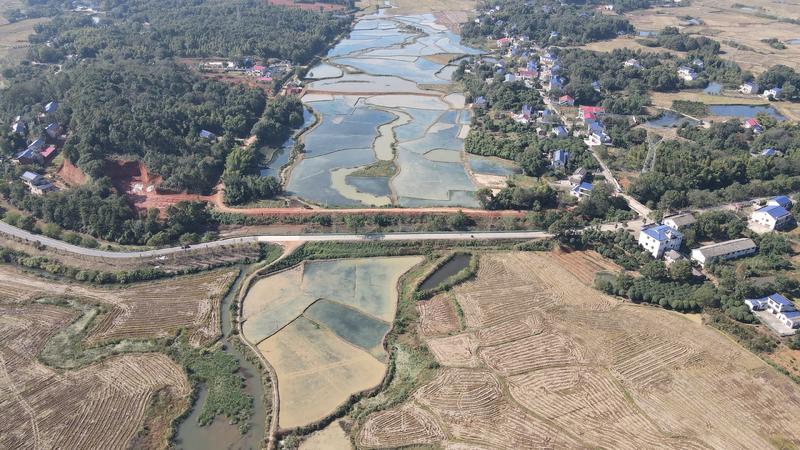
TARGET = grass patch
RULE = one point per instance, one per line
(691, 108)
(462, 322)
(376, 169)
(218, 372)
(743, 334)
(65, 350)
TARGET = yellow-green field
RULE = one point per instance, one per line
(728, 23)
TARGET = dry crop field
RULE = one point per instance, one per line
(99, 406)
(140, 311)
(545, 361)
(746, 26)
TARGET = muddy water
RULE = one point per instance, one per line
(221, 434)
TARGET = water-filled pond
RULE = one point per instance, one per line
(713, 88)
(382, 107)
(456, 264)
(744, 111)
(669, 119)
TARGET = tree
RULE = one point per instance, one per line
(654, 270)
(680, 271)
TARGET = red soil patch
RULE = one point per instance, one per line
(71, 174)
(309, 6)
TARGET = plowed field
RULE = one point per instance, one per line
(548, 362)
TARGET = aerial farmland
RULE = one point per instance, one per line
(369, 224)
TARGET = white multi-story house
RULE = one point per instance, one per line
(659, 238)
(749, 88)
(687, 73)
(773, 217)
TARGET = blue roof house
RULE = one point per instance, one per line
(772, 217)
(560, 132)
(581, 190)
(780, 200)
(559, 159)
(658, 239)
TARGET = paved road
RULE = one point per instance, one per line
(440, 236)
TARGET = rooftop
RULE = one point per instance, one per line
(779, 299)
(662, 233)
(776, 212)
(682, 220)
(723, 248)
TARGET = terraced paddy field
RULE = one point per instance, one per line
(376, 99)
(321, 326)
(532, 357)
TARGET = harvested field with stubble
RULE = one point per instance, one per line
(99, 406)
(731, 21)
(546, 361)
(139, 311)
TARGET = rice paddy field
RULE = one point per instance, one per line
(530, 356)
(321, 326)
(384, 94)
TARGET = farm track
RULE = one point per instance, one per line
(546, 361)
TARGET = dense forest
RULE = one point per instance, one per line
(123, 95)
(716, 165)
(547, 22)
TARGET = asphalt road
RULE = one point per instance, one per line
(455, 236)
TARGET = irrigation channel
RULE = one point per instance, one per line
(221, 434)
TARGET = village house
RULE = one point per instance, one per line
(526, 74)
(671, 256)
(510, 78)
(687, 73)
(205, 134)
(51, 107)
(597, 134)
(772, 217)
(479, 102)
(781, 200)
(679, 221)
(566, 100)
(590, 113)
(749, 88)
(556, 83)
(768, 152)
(774, 93)
(36, 183)
(578, 176)
(657, 239)
(753, 124)
(632, 63)
(698, 63)
(581, 190)
(53, 130)
(560, 132)
(32, 154)
(548, 59)
(48, 153)
(559, 159)
(783, 309)
(19, 127)
(736, 248)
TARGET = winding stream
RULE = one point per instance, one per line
(221, 434)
